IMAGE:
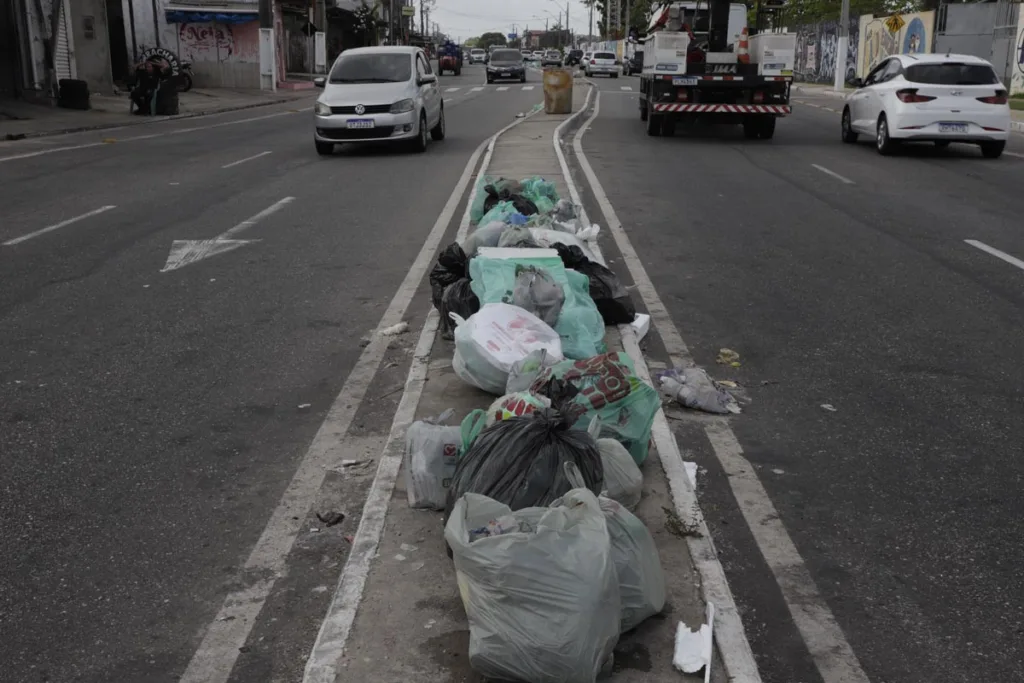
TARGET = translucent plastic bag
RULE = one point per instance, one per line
(525, 371)
(487, 235)
(500, 212)
(542, 594)
(637, 565)
(537, 292)
(431, 455)
(623, 481)
(517, 237)
(516, 405)
(693, 388)
(491, 340)
(549, 238)
(535, 188)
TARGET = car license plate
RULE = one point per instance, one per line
(952, 127)
(505, 74)
(360, 123)
(679, 80)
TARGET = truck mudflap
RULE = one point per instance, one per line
(778, 109)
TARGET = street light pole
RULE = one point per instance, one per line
(843, 46)
(268, 59)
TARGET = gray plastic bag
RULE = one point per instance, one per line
(537, 292)
(623, 481)
(484, 236)
(637, 565)
(518, 237)
(431, 454)
(693, 388)
(539, 588)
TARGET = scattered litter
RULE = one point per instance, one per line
(226, 618)
(213, 279)
(396, 329)
(610, 297)
(829, 407)
(692, 388)
(778, 471)
(320, 589)
(728, 357)
(305, 406)
(520, 115)
(350, 538)
(641, 325)
(109, 141)
(416, 567)
(400, 557)
(352, 463)
(768, 382)
(430, 624)
(728, 383)
(313, 530)
(405, 547)
(145, 286)
(431, 454)
(693, 648)
(331, 517)
(691, 473)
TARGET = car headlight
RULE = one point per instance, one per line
(402, 106)
(321, 109)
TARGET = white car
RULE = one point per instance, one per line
(477, 56)
(930, 98)
(601, 63)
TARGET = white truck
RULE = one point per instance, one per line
(700, 63)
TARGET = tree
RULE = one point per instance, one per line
(493, 38)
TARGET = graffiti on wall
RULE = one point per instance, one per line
(212, 42)
(878, 42)
(1017, 79)
(817, 46)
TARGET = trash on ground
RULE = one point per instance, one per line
(431, 455)
(693, 648)
(641, 325)
(452, 265)
(520, 461)
(588, 233)
(548, 238)
(637, 565)
(728, 357)
(565, 210)
(500, 212)
(395, 330)
(458, 298)
(525, 371)
(829, 407)
(537, 292)
(610, 297)
(693, 388)
(331, 517)
(305, 406)
(623, 481)
(691, 473)
(507, 194)
(516, 405)
(543, 607)
(491, 340)
(608, 388)
(517, 237)
(487, 235)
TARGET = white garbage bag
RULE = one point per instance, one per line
(548, 238)
(623, 481)
(493, 339)
(637, 565)
(539, 587)
(431, 454)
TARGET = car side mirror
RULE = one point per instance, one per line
(320, 82)
(426, 79)
(857, 83)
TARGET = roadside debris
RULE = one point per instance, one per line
(641, 325)
(623, 481)
(431, 454)
(395, 330)
(728, 357)
(829, 407)
(331, 517)
(693, 649)
(694, 389)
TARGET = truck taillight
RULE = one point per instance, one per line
(910, 96)
(758, 97)
(682, 96)
(998, 98)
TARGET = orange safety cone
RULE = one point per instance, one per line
(743, 51)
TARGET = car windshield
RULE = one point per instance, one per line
(553, 54)
(951, 73)
(506, 56)
(372, 68)
(604, 55)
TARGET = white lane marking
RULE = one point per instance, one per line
(737, 656)
(503, 87)
(242, 161)
(1014, 154)
(57, 226)
(452, 89)
(833, 174)
(833, 656)
(177, 131)
(1012, 260)
(476, 89)
(527, 87)
(325, 659)
(625, 87)
(834, 111)
(184, 252)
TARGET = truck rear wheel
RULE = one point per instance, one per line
(643, 110)
(653, 124)
(668, 126)
(759, 127)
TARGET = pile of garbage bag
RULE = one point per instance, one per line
(538, 488)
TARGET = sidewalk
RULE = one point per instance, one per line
(410, 624)
(19, 119)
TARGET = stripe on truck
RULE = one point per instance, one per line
(725, 108)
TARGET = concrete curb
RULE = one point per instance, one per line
(150, 119)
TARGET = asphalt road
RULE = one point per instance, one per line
(151, 420)
(843, 279)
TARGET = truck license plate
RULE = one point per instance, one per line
(952, 127)
(680, 80)
(360, 123)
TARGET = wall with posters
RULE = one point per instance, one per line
(877, 42)
(816, 48)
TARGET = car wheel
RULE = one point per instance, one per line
(419, 145)
(668, 126)
(767, 128)
(615, 75)
(643, 110)
(849, 136)
(324, 149)
(489, 81)
(883, 142)
(992, 150)
(437, 132)
(522, 79)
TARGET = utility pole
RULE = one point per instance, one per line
(590, 29)
(843, 46)
(268, 57)
(423, 8)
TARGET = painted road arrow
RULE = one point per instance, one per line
(184, 252)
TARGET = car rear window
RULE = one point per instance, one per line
(506, 56)
(951, 73)
(553, 54)
(372, 68)
(604, 55)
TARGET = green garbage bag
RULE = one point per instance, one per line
(609, 389)
(580, 326)
(544, 205)
(499, 212)
(480, 199)
(537, 188)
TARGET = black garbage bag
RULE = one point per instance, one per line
(612, 299)
(458, 298)
(452, 265)
(494, 195)
(520, 461)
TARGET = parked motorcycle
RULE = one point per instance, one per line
(184, 76)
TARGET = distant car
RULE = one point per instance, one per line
(506, 64)
(573, 57)
(602, 63)
(551, 58)
(379, 94)
(633, 65)
(585, 59)
(538, 55)
(930, 98)
(477, 56)
(527, 55)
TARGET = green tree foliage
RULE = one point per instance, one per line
(488, 39)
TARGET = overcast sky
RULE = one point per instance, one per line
(464, 19)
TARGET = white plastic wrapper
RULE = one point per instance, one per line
(546, 238)
(431, 454)
(542, 597)
(496, 337)
(623, 481)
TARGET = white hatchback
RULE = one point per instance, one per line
(930, 98)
